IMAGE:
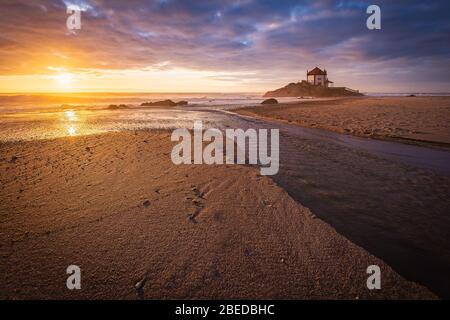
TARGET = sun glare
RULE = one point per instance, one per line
(64, 80)
(71, 118)
(71, 131)
(70, 115)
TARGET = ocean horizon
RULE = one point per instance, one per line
(11, 101)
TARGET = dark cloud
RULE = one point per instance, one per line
(281, 37)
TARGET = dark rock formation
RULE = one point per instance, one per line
(164, 103)
(270, 101)
(117, 107)
(304, 88)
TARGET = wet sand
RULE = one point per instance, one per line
(115, 205)
(393, 206)
(416, 120)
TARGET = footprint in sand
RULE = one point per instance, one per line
(139, 286)
(198, 203)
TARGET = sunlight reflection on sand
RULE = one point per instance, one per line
(55, 123)
(71, 117)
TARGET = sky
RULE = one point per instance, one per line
(222, 46)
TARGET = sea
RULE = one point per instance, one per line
(52, 115)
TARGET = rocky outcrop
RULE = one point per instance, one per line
(270, 101)
(304, 88)
(117, 107)
(164, 103)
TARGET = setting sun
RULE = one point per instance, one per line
(64, 80)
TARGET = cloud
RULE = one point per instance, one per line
(268, 38)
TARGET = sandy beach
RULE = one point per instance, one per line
(415, 120)
(141, 227)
